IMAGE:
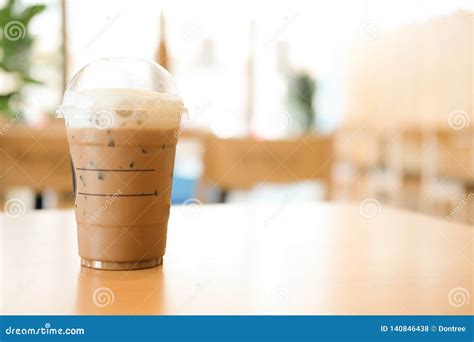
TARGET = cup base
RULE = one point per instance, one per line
(121, 266)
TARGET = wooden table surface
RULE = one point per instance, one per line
(234, 259)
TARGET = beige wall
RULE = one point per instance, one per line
(412, 76)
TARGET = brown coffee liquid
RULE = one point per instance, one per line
(123, 180)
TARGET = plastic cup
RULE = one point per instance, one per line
(122, 119)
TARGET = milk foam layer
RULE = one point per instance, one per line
(121, 108)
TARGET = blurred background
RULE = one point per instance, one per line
(367, 101)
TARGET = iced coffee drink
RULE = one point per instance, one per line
(122, 143)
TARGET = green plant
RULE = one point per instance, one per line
(15, 51)
(301, 98)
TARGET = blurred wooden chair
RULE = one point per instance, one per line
(456, 155)
(453, 162)
(359, 155)
(404, 163)
(242, 163)
(38, 159)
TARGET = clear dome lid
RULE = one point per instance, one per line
(120, 84)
